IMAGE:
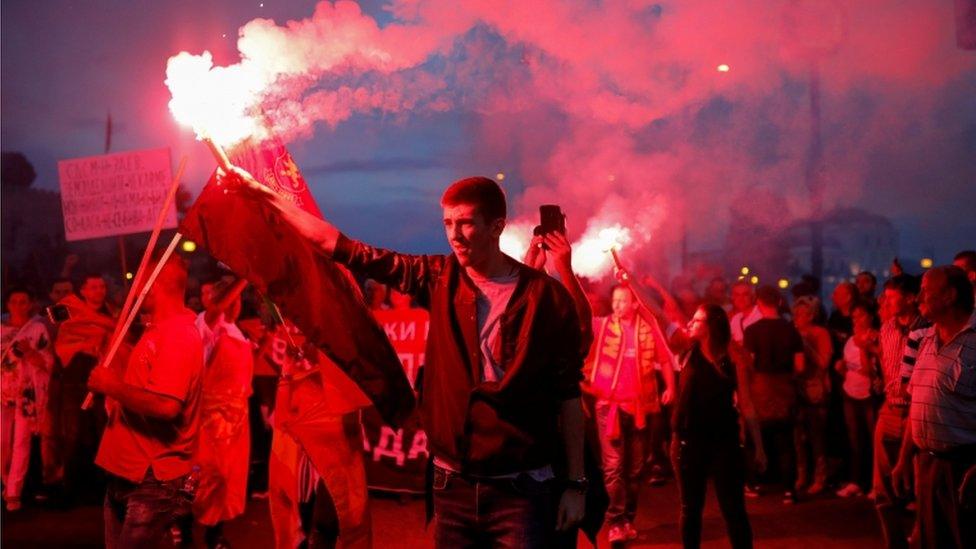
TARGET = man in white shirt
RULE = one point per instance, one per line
(746, 312)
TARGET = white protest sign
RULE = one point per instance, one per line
(115, 194)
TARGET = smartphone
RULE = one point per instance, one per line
(551, 219)
(57, 313)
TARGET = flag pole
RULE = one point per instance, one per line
(218, 153)
(121, 328)
(120, 334)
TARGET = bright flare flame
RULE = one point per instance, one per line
(220, 103)
(723, 68)
(591, 255)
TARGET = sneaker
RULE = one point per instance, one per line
(631, 531)
(617, 534)
(850, 490)
(752, 491)
(13, 504)
(789, 497)
(815, 488)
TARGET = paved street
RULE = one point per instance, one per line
(816, 524)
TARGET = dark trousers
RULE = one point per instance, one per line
(657, 441)
(944, 521)
(859, 417)
(623, 460)
(497, 513)
(892, 509)
(139, 515)
(778, 442)
(722, 459)
(809, 433)
(81, 430)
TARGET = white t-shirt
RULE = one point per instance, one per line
(493, 295)
(211, 335)
(857, 383)
(740, 322)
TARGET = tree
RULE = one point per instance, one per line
(16, 171)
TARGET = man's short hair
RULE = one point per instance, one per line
(956, 279)
(173, 277)
(869, 274)
(482, 193)
(742, 282)
(968, 257)
(85, 277)
(768, 295)
(17, 290)
(904, 284)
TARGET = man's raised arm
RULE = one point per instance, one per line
(409, 274)
(317, 230)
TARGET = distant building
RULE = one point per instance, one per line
(855, 240)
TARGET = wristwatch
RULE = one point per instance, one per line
(581, 484)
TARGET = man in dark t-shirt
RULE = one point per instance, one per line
(777, 355)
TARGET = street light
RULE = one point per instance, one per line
(744, 270)
(783, 283)
(189, 246)
(926, 262)
(754, 280)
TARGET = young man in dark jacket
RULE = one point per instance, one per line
(500, 396)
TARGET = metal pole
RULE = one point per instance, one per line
(814, 176)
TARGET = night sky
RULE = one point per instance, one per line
(66, 64)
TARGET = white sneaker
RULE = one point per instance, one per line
(850, 490)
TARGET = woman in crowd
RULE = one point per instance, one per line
(25, 371)
(706, 428)
(859, 368)
(705, 420)
(813, 387)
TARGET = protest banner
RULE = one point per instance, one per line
(114, 194)
(396, 458)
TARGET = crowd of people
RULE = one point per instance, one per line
(539, 394)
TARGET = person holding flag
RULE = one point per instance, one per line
(501, 383)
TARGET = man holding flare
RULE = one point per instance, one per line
(500, 394)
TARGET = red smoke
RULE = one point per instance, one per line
(617, 110)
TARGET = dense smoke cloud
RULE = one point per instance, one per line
(618, 110)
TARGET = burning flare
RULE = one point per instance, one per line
(591, 255)
(219, 103)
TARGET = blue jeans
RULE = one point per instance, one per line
(140, 515)
(515, 513)
(623, 460)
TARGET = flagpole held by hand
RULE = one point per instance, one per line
(120, 334)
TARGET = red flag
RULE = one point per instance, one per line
(317, 295)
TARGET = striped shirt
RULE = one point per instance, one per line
(892, 339)
(943, 389)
